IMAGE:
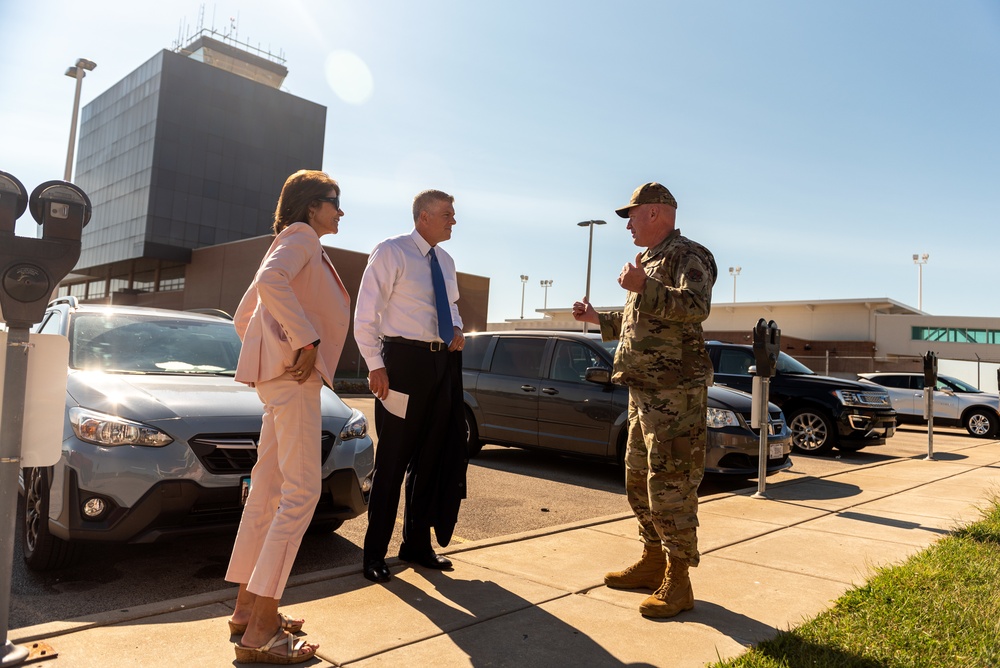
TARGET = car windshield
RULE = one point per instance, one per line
(152, 344)
(949, 383)
(788, 364)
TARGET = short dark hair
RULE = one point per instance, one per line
(423, 200)
(299, 194)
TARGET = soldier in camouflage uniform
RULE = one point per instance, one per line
(661, 356)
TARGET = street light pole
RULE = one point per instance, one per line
(920, 261)
(546, 284)
(734, 272)
(524, 282)
(590, 255)
(77, 72)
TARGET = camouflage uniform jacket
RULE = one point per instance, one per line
(661, 341)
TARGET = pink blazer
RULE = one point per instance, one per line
(295, 298)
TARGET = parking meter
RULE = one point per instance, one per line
(30, 269)
(766, 346)
(930, 382)
(930, 370)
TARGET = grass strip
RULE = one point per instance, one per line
(940, 608)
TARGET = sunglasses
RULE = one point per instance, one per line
(335, 201)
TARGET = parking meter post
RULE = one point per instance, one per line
(762, 453)
(16, 355)
(766, 345)
(30, 268)
(930, 382)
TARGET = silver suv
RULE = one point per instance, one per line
(159, 439)
(955, 402)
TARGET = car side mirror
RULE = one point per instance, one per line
(598, 374)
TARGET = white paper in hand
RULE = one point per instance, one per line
(395, 403)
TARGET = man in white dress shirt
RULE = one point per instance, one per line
(409, 332)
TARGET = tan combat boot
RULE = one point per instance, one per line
(673, 596)
(647, 573)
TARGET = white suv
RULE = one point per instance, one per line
(955, 402)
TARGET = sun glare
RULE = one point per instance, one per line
(349, 77)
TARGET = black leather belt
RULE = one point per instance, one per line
(433, 346)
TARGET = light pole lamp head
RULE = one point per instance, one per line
(735, 271)
(81, 68)
(587, 223)
(524, 279)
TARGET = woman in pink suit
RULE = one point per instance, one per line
(293, 321)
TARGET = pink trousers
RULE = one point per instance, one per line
(285, 486)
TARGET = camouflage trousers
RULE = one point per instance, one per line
(664, 464)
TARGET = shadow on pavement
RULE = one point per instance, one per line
(744, 630)
(593, 474)
(814, 489)
(521, 634)
(889, 522)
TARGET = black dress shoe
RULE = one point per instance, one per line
(427, 558)
(377, 571)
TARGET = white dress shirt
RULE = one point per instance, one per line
(396, 297)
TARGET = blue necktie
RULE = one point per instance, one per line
(445, 328)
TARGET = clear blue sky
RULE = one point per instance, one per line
(818, 145)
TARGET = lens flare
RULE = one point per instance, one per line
(349, 77)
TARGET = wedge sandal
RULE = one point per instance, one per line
(285, 622)
(263, 654)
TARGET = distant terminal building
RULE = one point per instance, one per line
(843, 337)
(183, 160)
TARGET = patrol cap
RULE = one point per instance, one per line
(648, 193)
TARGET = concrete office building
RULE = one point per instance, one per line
(184, 160)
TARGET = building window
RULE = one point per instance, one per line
(955, 335)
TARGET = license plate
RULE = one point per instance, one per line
(775, 451)
(244, 489)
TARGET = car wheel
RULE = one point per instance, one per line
(812, 431)
(981, 424)
(473, 444)
(42, 551)
(323, 527)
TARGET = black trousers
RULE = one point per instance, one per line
(410, 448)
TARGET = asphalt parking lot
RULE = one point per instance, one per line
(511, 491)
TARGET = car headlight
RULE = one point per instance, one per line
(111, 430)
(866, 399)
(719, 418)
(356, 427)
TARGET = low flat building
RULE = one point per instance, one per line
(843, 337)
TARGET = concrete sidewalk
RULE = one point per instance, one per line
(538, 599)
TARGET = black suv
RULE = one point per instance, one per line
(822, 411)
